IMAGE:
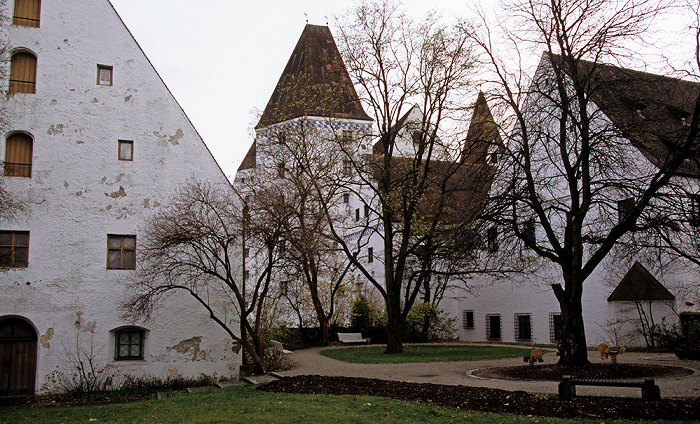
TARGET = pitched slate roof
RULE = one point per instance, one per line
(639, 284)
(652, 111)
(315, 82)
(455, 190)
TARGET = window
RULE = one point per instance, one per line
(694, 212)
(23, 73)
(366, 211)
(246, 275)
(346, 137)
(555, 327)
(624, 209)
(493, 327)
(104, 75)
(129, 343)
(347, 167)
(492, 154)
(14, 249)
(280, 169)
(126, 150)
(246, 252)
(27, 13)
(523, 327)
(346, 198)
(492, 239)
(18, 155)
(284, 288)
(370, 254)
(468, 320)
(529, 231)
(357, 214)
(121, 251)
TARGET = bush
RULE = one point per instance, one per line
(441, 325)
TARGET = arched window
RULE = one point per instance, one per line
(23, 73)
(18, 155)
(27, 13)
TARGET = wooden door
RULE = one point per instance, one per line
(18, 349)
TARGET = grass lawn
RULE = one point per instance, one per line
(243, 404)
(424, 353)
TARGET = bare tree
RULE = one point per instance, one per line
(189, 246)
(410, 184)
(573, 182)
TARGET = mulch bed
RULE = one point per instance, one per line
(496, 400)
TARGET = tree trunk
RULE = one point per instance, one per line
(323, 327)
(394, 322)
(574, 351)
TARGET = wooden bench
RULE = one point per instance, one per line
(352, 338)
(567, 386)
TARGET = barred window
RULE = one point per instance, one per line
(523, 327)
(555, 327)
(14, 249)
(129, 343)
(467, 320)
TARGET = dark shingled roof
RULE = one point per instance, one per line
(652, 111)
(639, 284)
(455, 190)
(249, 161)
(315, 82)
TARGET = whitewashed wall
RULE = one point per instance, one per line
(79, 192)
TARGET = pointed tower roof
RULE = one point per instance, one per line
(639, 284)
(315, 82)
(483, 135)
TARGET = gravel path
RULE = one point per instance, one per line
(310, 362)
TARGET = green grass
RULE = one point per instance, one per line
(423, 353)
(246, 405)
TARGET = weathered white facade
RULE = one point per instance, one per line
(96, 93)
(525, 308)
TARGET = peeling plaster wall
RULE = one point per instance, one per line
(79, 191)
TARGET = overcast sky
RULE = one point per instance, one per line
(222, 58)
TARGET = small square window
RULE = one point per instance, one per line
(121, 251)
(129, 344)
(126, 150)
(14, 249)
(104, 75)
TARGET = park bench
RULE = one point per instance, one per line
(567, 386)
(352, 338)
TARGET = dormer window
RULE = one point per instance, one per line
(492, 154)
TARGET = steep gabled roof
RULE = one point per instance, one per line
(652, 111)
(638, 284)
(483, 136)
(315, 82)
(250, 159)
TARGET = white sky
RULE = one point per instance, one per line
(221, 59)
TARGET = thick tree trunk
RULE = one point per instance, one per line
(574, 351)
(394, 322)
(323, 327)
